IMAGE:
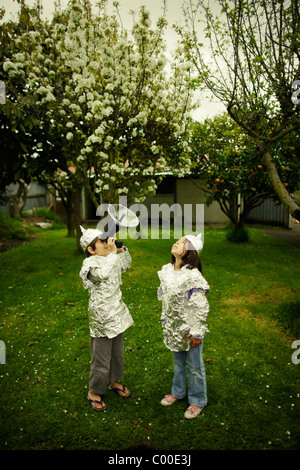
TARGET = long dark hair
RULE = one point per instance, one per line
(191, 259)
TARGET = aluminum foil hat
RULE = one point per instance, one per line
(196, 241)
(88, 236)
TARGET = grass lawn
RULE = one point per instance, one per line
(253, 384)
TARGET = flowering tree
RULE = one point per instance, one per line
(109, 113)
(249, 59)
(229, 163)
(18, 120)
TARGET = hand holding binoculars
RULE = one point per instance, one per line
(118, 243)
(119, 216)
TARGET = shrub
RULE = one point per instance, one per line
(43, 212)
(50, 215)
(236, 233)
(287, 315)
(11, 228)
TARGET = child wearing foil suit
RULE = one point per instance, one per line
(185, 307)
(109, 317)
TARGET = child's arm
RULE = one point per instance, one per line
(108, 262)
(159, 293)
(160, 297)
(124, 258)
(198, 309)
(103, 271)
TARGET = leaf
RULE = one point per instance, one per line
(75, 415)
(69, 303)
(31, 343)
(27, 379)
(69, 332)
(134, 421)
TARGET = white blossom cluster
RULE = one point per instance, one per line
(109, 103)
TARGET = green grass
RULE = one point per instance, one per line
(253, 385)
(11, 228)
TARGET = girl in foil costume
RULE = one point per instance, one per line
(109, 317)
(184, 311)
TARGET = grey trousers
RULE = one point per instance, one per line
(107, 364)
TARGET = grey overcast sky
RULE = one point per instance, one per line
(208, 108)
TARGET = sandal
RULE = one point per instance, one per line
(96, 401)
(193, 411)
(168, 400)
(119, 391)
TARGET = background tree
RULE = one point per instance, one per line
(108, 113)
(251, 63)
(229, 164)
(18, 119)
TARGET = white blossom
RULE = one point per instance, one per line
(91, 86)
(107, 111)
(110, 87)
(123, 191)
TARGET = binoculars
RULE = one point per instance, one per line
(118, 243)
(119, 216)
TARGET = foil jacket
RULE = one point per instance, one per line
(184, 305)
(101, 275)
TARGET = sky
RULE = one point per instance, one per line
(208, 107)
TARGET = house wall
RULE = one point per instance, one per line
(270, 213)
(187, 191)
(37, 197)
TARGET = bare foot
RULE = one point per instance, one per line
(121, 390)
(97, 404)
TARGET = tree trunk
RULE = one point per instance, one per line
(283, 194)
(67, 197)
(18, 200)
(77, 215)
(234, 209)
(70, 214)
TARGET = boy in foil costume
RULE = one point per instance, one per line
(109, 317)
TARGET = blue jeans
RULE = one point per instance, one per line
(197, 394)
